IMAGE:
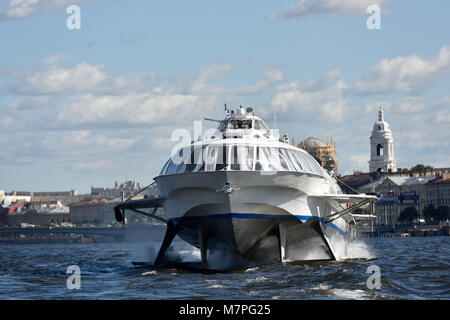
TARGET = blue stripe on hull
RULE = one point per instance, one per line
(253, 216)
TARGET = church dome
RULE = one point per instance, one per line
(380, 124)
(323, 151)
(381, 146)
(312, 142)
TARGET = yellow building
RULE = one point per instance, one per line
(323, 151)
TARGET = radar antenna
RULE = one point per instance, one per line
(274, 121)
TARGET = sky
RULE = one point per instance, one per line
(88, 106)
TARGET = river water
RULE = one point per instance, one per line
(409, 268)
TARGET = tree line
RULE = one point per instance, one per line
(430, 214)
(418, 168)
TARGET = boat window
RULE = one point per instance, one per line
(276, 162)
(240, 157)
(189, 159)
(318, 169)
(304, 161)
(181, 168)
(175, 162)
(223, 125)
(240, 124)
(164, 169)
(221, 162)
(282, 160)
(258, 165)
(272, 162)
(198, 156)
(209, 157)
(295, 162)
(261, 163)
(234, 157)
(285, 155)
(172, 168)
(310, 163)
(247, 157)
(260, 125)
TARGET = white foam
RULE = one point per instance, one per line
(212, 284)
(357, 249)
(349, 294)
(256, 280)
(251, 269)
(322, 286)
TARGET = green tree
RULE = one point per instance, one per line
(443, 213)
(433, 215)
(421, 168)
(430, 213)
(408, 215)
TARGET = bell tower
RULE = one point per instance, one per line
(381, 146)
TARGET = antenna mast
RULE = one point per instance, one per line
(275, 120)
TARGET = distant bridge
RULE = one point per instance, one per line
(119, 233)
(76, 230)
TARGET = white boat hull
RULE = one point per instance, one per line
(260, 217)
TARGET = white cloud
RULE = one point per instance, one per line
(81, 114)
(20, 9)
(95, 166)
(83, 142)
(443, 117)
(56, 58)
(131, 109)
(64, 146)
(321, 100)
(205, 81)
(87, 96)
(52, 78)
(7, 121)
(56, 80)
(304, 8)
(411, 74)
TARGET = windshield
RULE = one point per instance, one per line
(260, 125)
(235, 124)
(240, 157)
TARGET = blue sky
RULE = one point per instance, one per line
(92, 106)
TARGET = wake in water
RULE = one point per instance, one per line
(177, 252)
(358, 250)
(181, 253)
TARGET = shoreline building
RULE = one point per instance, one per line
(323, 151)
(7, 198)
(127, 188)
(382, 146)
(38, 213)
(399, 191)
(65, 197)
(438, 192)
(90, 211)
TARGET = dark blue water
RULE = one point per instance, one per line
(411, 268)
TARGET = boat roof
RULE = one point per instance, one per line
(242, 127)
